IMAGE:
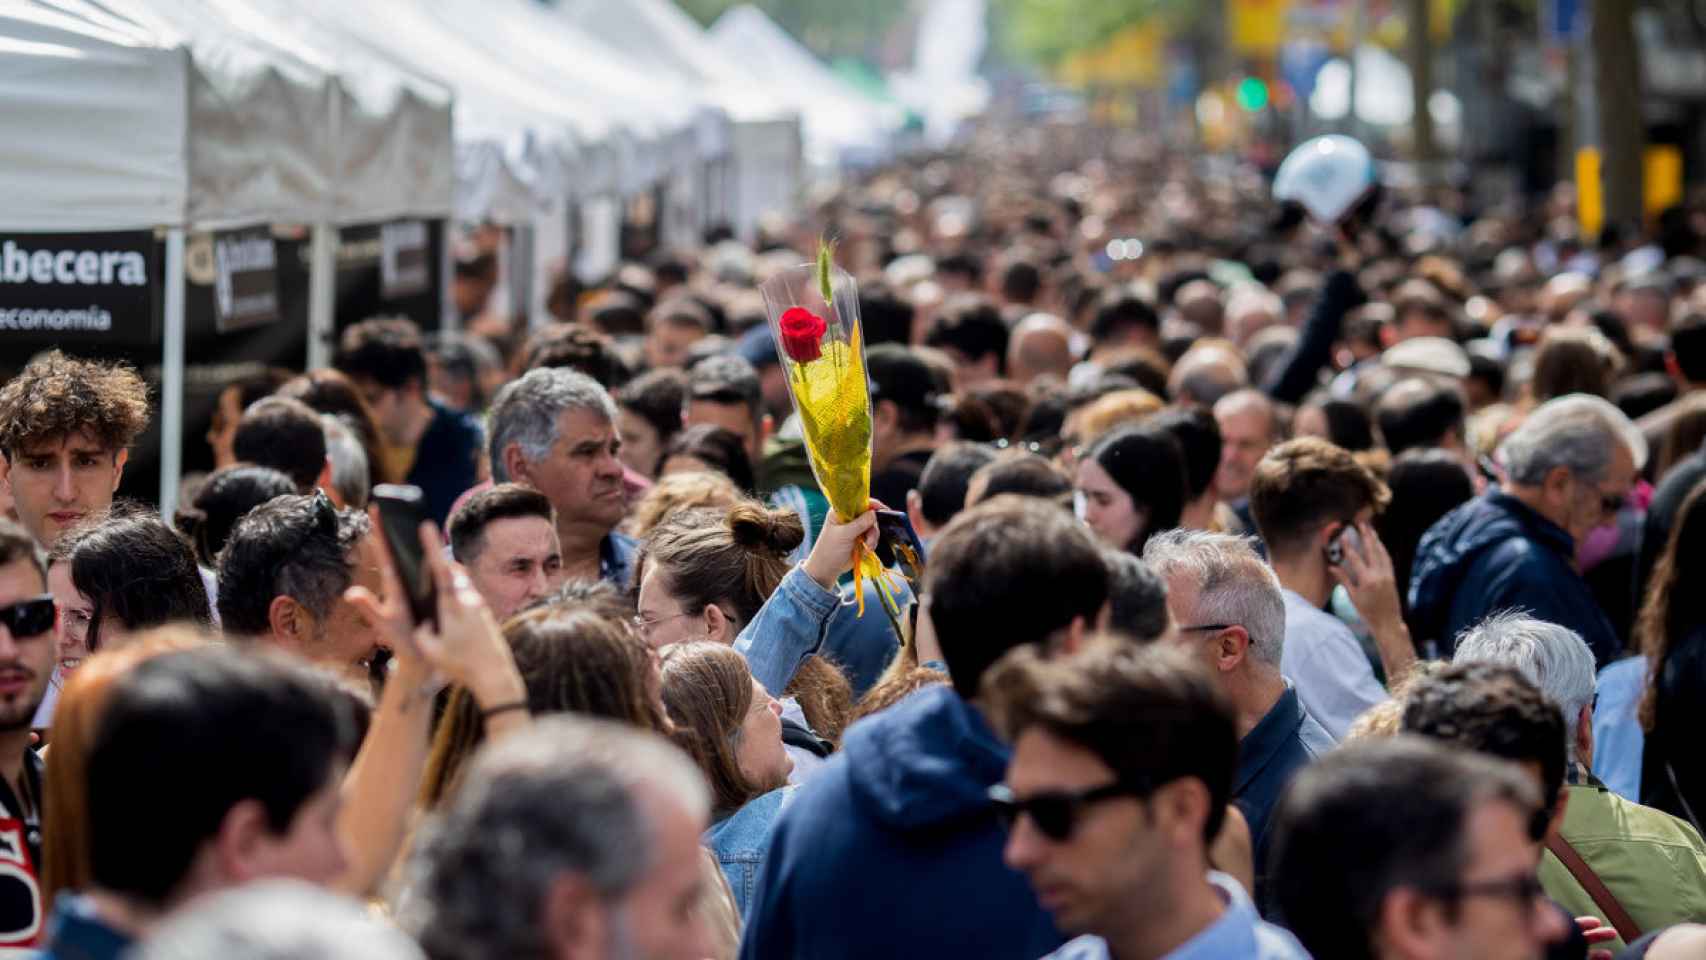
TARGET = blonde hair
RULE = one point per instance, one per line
(681, 491)
(1117, 409)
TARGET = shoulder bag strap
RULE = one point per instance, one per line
(1614, 913)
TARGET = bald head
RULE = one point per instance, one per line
(1199, 303)
(1041, 346)
(1247, 430)
(1206, 373)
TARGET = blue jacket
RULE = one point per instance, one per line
(446, 459)
(1492, 554)
(740, 840)
(891, 851)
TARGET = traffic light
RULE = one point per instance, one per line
(1252, 94)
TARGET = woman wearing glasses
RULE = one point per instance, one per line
(115, 578)
(724, 576)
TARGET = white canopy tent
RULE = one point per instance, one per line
(766, 141)
(142, 114)
(667, 131)
(838, 122)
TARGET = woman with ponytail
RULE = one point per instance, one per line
(724, 576)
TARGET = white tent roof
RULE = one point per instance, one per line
(99, 123)
(507, 134)
(143, 113)
(658, 115)
(393, 140)
(659, 32)
(835, 116)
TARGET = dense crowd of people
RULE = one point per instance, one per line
(1288, 589)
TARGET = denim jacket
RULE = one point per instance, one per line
(740, 840)
(790, 627)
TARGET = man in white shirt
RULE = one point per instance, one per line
(1121, 773)
(1314, 504)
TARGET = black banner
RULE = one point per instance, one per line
(79, 287)
(245, 283)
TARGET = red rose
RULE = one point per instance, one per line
(802, 331)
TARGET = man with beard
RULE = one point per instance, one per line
(29, 628)
(555, 430)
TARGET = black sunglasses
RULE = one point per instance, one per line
(29, 618)
(1056, 812)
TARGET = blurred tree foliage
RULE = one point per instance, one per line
(831, 28)
(1046, 31)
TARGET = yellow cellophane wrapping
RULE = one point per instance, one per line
(835, 416)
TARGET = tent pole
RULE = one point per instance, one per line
(172, 377)
(449, 319)
(322, 287)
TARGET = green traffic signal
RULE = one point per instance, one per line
(1252, 94)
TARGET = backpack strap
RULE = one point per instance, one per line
(796, 735)
(1618, 917)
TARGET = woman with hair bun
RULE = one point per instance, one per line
(707, 574)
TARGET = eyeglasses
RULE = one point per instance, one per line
(29, 618)
(645, 627)
(1056, 812)
(1209, 627)
(1524, 890)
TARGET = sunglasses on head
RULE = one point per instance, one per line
(1056, 812)
(29, 618)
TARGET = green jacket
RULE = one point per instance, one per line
(1653, 863)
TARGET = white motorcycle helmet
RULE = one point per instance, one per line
(1329, 176)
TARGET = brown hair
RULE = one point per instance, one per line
(1573, 360)
(1673, 607)
(573, 661)
(893, 689)
(1686, 434)
(65, 854)
(678, 492)
(1304, 483)
(707, 690)
(735, 560)
(57, 396)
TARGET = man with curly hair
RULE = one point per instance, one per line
(65, 429)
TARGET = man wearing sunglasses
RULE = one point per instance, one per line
(1407, 849)
(29, 628)
(1568, 470)
(65, 429)
(1122, 768)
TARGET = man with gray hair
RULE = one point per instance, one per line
(1228, 612)
(1652, 863)
(1568, 470)
(555, 430)
(574, 838)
